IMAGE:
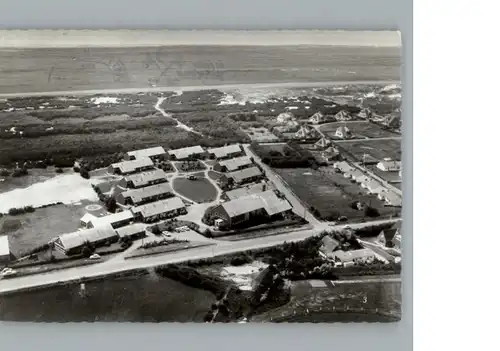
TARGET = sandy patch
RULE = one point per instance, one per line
(104, 100)
(244, 275)
(66, 188)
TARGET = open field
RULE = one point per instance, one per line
(314, 302)
(56, 69)
(30, 230)
(34, 176)
(199, 190)
(130, 298)
(360, 130)
(329, 192)
(378, 149)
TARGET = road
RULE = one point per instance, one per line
(297, 205)
(193, 88)
(116, 266)
(366, 139)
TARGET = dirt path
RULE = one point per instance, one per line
(169, 115)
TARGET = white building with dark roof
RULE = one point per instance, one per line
(129, 167)
(187, 152)
(241, 210)
(233, 164)
(146, 194)
(153, 153)
(389, 166)
(143, 179)
(72, 243)
(226, 152)
(158, 210)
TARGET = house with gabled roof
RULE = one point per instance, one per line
(389, 165)
(225, 152)
(306, 132)
(343, 132)
(130, 167)
(233, 164)
(143, 179)
(343, 116)
(365, 113)
(322, 143)
(153, 153)
(144, 195)
(72, 243)
(187, 152)
(158, 210)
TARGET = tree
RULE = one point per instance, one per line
(59, 170)
(111, 204)
(86, 251)
(84, 173)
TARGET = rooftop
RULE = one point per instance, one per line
(234, 163)
(4, 245)
(267, 200)
(225, 150)
(329, 244)
(343, 166)
(247, 190)
(112, 218)
(130, 166)
(347, 256)
(78, 238)
(159, 207)
(186, 152)
(153, 151)
(138, 194)
(144, 178)
(243, 174)
(131, 229)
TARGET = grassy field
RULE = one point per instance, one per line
(130, 298)
(378, 149)
(199, 190)
(282, 149)
(30, 230)
(333, 303)
(360, 130)
(329, 192)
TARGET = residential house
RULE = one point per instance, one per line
(133, 231)
(154, 153)
(366, 113)
(306, 132)
(349, 258)
(115, 220)
(245, 208)
(392, 121)
(129, 167)
(72, 243)
(285, 117)
(187, 152)
(158, 210)
(322, 143)
(343, 116)
(343, 132)
(319, 118)
(144, 195)
(245, 175)
(391, 237)
(5, 254)
(225, 152)
(354, 174)
(233, 164)
(373, 187)
(331, 153)
(390, 198)
(143, 179)
(389, 165)
(328, 245)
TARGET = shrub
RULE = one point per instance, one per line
(84, 173)
(371, 212)
(155, 230)
(59, 170)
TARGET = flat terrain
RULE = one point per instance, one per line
(360, 130)
(199, 190)
(378, 149)
(30, 230)
(144, 298)
(315, 302)
(40, 70)
(329, 192)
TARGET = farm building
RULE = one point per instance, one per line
(343, 116)
(389, 166)
(187, 152)
(5, 255)
(72, 243)
(116, 220)
(133, 231)
(153, 153)
(246, 190)
(322, 143)
(343, 132)
(146, 194)
(233, 164)
(143, 179)
(225, 152)
(245, 175)
(158, 210)
(129, 167)
(245, 208)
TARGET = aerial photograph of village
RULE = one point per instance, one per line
(205, 183)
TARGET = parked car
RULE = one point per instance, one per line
(192, 177)
(8, 272)
(95, 257)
